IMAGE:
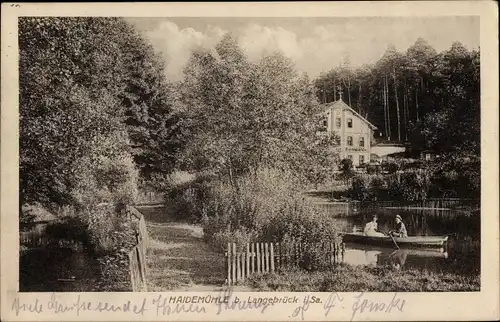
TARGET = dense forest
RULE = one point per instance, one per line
(426, 98)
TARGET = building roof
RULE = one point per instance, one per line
(341, 104)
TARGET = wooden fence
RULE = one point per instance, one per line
(431, 203)
(137, 256)
(142, 231)
(145, 198)
(33, 238)
(271, 257)
(138, 268)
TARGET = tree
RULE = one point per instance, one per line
(85, 93)
(254, 115)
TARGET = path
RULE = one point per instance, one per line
(178, 257)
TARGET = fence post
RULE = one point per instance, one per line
(272, 258)
(247, 259)
(263, 257)
(238, 266)
(278, 250)
(257, 255)
(132, 271)
(228, 259)
(266, 256)
(252, 257)
(233, 262)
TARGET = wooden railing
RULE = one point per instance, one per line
(271, 257)
(431, 203)
(137, 256)
(32, 238)
(142, 231)
(138, 268)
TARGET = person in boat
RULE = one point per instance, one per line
(372, 227)
(400, 228)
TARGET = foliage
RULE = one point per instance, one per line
(428, 98)
(346, 165)
(360, 188)
(89, 87)
(268, 206)
(432, 181)
(378, 188)
(245, 116)
(392, 167)
(186, 199)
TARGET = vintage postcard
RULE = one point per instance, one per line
(250, 161)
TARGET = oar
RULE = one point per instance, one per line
(394, 241)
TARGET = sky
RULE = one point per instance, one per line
(315, 44)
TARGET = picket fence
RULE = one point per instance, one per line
(272, 257)
(32, 238)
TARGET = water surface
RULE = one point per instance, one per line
(460, 255)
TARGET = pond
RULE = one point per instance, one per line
(460, 255)
(57, 270)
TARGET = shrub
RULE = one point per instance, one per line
(267, 206)
(378, 187)
(187, 199)
(394, 189)
(346, 165)
(360, 189)
(415, 185)
(372, 169)
(444, 183)
(392, 167)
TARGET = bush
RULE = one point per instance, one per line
(360, 189)
(372, 169)
(346, 165)
(267, 206)
(392, 167)
(378, 187)
(187, 199)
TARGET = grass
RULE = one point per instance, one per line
(178, 258)
(346, 278)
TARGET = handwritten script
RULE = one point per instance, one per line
(364, 304)
(166, 305)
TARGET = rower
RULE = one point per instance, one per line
(400, 228)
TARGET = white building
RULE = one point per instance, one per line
(355, 133)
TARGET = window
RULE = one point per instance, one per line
(349, 140)
(362, 141)
(337, 121)
(349, 123)
(325, 123)
(361, 159)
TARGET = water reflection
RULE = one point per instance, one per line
(462, 253)
(397, 258)
(58, 269)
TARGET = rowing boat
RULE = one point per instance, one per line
(411, 241)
